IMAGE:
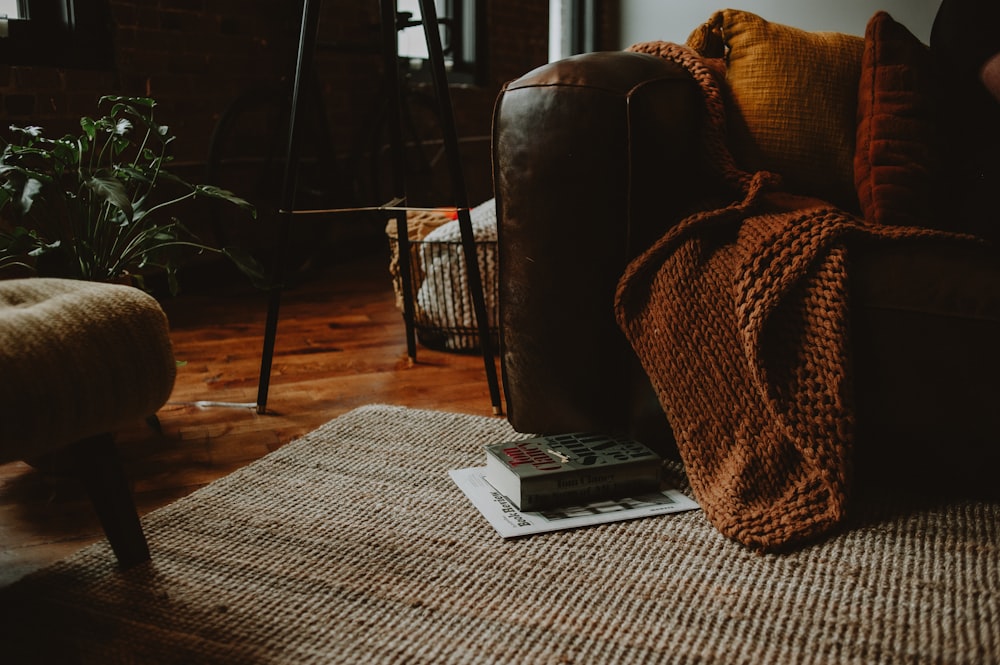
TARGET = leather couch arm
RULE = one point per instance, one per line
(593, 159)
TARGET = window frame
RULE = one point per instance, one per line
(576, 31)
(20, 10)
(60, 33)
(464, 38)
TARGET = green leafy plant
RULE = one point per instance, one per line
(98, 206)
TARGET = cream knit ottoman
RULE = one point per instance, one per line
(77, 360)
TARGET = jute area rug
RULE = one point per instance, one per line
(352, 545)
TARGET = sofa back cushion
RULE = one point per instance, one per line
(793, 105)
(895, 152)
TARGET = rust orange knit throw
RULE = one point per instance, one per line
(739, 316)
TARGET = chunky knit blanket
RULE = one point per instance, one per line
(739, 316)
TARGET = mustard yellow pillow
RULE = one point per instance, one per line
(794, 98)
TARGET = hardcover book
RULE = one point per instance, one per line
(567, 469)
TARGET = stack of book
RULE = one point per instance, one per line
(568, 481)
(560, 470)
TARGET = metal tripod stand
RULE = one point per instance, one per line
(396, 207)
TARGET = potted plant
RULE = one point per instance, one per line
(98, 206)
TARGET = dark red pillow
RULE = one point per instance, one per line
(894, 152)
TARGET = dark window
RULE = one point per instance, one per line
(59, 33)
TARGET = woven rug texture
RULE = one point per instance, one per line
(352, 545)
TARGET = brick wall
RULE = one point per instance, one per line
(192, 56)
(195, 56)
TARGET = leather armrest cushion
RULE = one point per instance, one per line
(592, 161)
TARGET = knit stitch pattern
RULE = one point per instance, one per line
(739, 315)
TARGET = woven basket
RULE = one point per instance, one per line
(444, 315)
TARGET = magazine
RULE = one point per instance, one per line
(510, 522)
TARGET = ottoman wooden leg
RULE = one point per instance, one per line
(103, 476)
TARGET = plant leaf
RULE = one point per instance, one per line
(123, 126)
(31, 188)
(30, 133)
(19, 242)
(66, 151)
(214, 192)
(42, 248)
(131, 101)
(248, 265)
(89, 127)
(129, 172)
(120, 144)
(113, 191)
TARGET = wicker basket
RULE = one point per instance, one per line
(443, 311)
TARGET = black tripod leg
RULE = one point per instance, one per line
(307, 49)
(428, 15)
(390, 54)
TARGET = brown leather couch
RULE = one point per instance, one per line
(592, 162)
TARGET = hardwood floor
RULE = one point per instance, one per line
(341, 344)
